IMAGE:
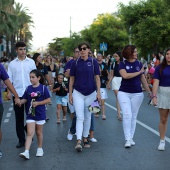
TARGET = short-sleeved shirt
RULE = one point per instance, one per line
(61, 92)
(132, 85)
(115, 68)
(164, 77)
(44, 70)
(3, 76)
(84, 72)
(40, 111)
(68, 65)
(103, 74)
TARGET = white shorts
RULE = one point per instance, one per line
(103, 93)
(116, 82)
(40, 122)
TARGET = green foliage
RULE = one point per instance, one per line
(64, 44)
(106, 28)
(150, 26)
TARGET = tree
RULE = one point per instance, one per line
(65, 44)
(150, 27)
(106, 28)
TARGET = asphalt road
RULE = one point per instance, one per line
(107, 154)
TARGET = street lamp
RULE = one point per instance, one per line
(130, 35)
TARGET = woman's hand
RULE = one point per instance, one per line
(154, 99)
(71, 99)
(98, 97)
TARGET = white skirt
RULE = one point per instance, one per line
(103, 93)
(163, 97)
(116, 82)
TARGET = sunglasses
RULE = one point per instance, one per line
(84, 48)
(76, 51)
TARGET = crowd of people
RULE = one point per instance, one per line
(77, 83)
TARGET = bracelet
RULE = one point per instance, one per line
(154, 96)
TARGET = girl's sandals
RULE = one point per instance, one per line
(58, 121)
(119, 118)
(104, 117)
(78, 147)
(86, 143)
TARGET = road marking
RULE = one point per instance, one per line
(11, 109)
(142, 124)
(8, 114)
(6, 120)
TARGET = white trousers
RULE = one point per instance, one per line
(130, 104)
(83, 121)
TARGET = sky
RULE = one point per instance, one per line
(52, 17)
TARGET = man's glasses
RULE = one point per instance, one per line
(22, 49)
(84, 48)
(76, 51)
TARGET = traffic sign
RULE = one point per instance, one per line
(103, 46)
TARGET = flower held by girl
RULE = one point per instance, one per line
(33, 96)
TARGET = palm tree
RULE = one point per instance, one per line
(24, 22)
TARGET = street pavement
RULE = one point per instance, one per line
(107, 154)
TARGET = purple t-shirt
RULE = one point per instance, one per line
(40, 111)
(132, 85)
(164, 78)
(3, 76)
(84, 72)
(68, 65)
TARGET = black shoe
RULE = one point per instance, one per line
(47, 119)
(20, 145)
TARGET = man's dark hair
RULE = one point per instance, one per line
(84, 43)
(20, 44)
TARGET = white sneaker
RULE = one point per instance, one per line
(132, 142)
(161, 146)
(128, 144)
(39, 152)
(25, 155)
(93, 140)
(69, 135)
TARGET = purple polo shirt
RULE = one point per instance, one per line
(164, 77)
(84, 72)
(40, 111)
(68, 65)
(3, 76)
(132, 85)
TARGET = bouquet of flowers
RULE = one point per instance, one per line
(94, 107)
(33, 96)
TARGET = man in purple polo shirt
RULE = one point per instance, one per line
(84, 77)
(72, 129)
(4, 76)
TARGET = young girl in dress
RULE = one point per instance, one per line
(61, 89)
(35, 97)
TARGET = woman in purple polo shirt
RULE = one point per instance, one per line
(130, 95)
(84, 78)
(161, 93)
